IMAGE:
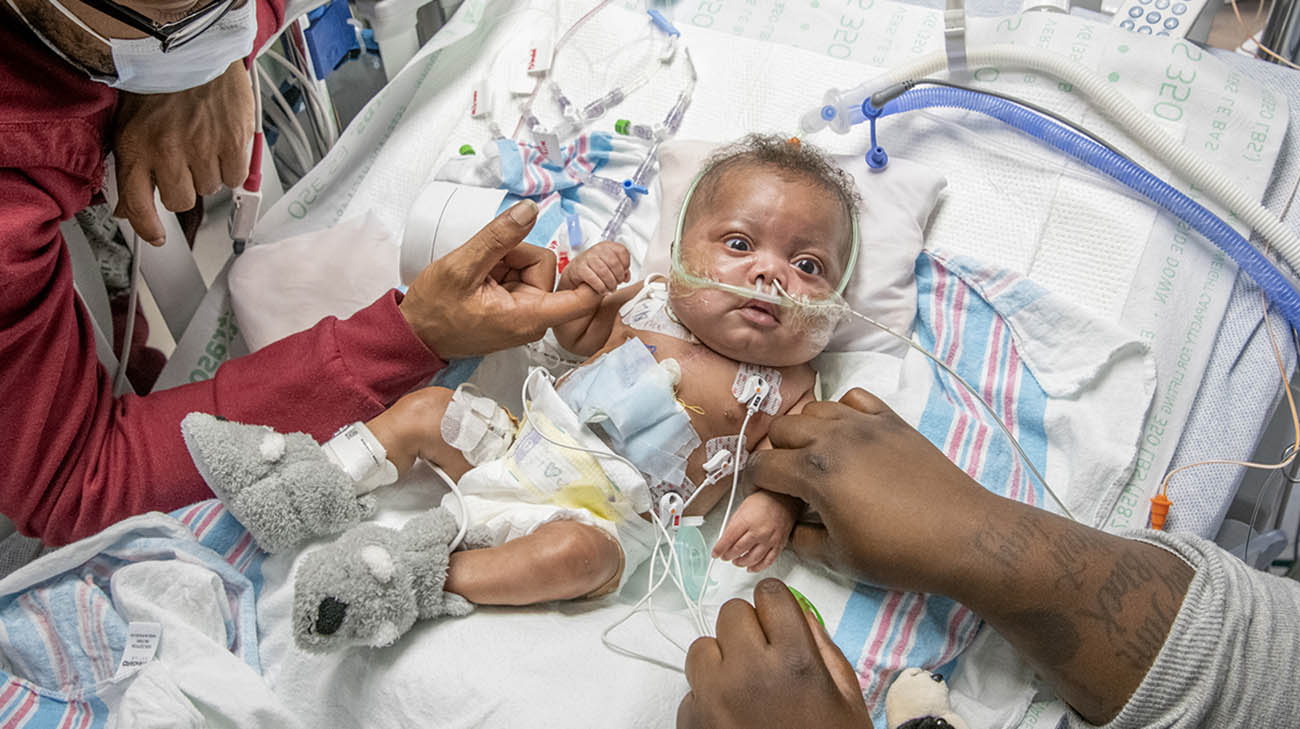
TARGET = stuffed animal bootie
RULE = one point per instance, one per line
(282, 488)
(371, 584)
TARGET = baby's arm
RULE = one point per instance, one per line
(757, 533)
(602, 268)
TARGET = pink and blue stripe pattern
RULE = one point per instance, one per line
(882, 632)
(65, 637)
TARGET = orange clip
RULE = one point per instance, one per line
(793, 140)
(1159, 510)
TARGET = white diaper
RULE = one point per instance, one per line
(537, 482)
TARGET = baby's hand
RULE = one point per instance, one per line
(602, 267)
(758, 531)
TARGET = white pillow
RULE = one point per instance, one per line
(896, 203)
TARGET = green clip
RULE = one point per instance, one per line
(622, 126)
(806, 605)
(465, 149)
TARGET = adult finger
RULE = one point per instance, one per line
(780, 471)
(175, 186)
(485, 249)
(234, 168)
(782, 618)
(549, 310)
(738, 628)
(702, 659)
(813, 543)
(206, 174)
(686, 713)
(863, 401)
(795, 431)
(531, 265)
(842, 673)
(135, 203)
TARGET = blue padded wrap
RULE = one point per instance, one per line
(630, 399)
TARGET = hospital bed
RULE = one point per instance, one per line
(762, 65)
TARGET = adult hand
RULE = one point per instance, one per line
(186, 143)
(771, 665)
(492, 292)
(886, 495)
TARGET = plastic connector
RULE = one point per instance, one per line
(754, 392)
(633, 190)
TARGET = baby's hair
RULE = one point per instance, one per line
(791, 159)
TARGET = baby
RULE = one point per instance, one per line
(554, 513)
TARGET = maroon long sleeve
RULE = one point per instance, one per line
(73, 458)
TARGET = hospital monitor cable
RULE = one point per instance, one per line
(841, 110)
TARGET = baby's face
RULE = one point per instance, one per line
(762, 228)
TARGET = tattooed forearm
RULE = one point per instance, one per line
(1089, 610)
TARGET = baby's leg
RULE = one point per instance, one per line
(413, 427)
(561, 560)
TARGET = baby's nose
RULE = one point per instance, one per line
(766, 270)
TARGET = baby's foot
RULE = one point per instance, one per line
(282, 488)
(372, 584)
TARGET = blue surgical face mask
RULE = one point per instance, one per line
(143, 68)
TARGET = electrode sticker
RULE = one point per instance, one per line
(684, 489)
(771, 403)
(141, 645)
(726, 443)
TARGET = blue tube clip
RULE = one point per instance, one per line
(876, 157)
(663, 23)
(632, 189)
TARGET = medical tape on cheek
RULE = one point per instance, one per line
(772, 403)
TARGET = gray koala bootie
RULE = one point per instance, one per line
(371, 584)
(282, 488)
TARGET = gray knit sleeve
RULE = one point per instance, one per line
(1232, 657)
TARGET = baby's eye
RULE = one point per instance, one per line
(809, 266)
(737, 244)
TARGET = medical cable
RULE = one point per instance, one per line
(1161, 503)
(750, 408)
(1245, 255)
(120, 381)
(842, 109)
(460, 499)
(1060, 119)
(319, 114)
(1255, 36)
(290, 129)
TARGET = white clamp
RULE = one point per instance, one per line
(361, 456)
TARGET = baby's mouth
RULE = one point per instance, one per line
(761, 313)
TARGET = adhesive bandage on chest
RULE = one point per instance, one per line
(477, 426)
